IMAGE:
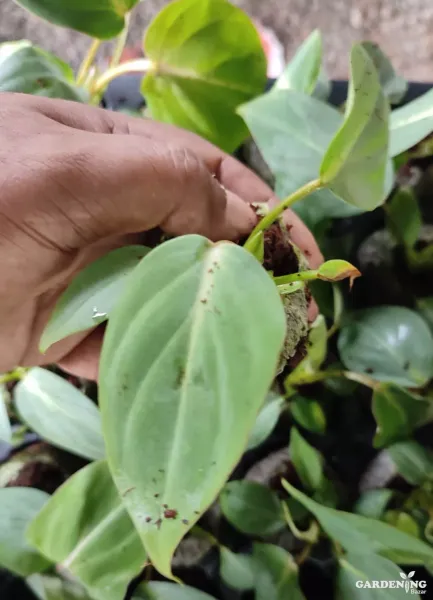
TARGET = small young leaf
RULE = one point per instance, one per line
(208, 60)
(265, 422)
(397, 413)
(276, 576)
(356, 161)
(306, 460)
(18, 506)
(413, 461)
(97, 542)
(60, 413)
(237, 570)
(394, 87)
(309, 414)
(372, 503)
(362, 535)
(92, 295)
(390, 343)
(161, 590)
(337, 270)
(252, 508)
(5, 426)
(302, 72)
(411, 123)
(403, 217)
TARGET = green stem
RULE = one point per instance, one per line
(301, 276)
(307, 379)
(120, 43)
(141, 65)
(273, 215)
(87, 63)
(14, 375)
(311, 535)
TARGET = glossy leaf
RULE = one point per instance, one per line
(306, 460)
(356, 161)
(157, 590)
(185, 369)
(46, 587)
(337, 270)
(236, 570)
(390, 343)
(355, 567)
(276, 574)
(411, 123)
(403, 216)
(397, 413)
(102, 19)
(356, 533)
(5, 426)
(18, 506)
(92, 295)
(266, 421)
(97, 542)
(413, 461)
(60, 413)
(394, 87)
(302, 72)
(309, 414)
(252, 508)
(28, 69)
(208, 60)
(373, 503)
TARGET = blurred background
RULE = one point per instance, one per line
(404, 29)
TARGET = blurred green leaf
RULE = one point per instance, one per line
(18, 506)
(102, 19)
(390, 343)
(252, 508)
(362, 535)
(177, 364)
(302, 72)
(236, 570)
(60, 413)
(97, 542)
(306, 460)
(5, 426)
(276, 576)
(413, 461)
(266, 421)
(394, 87)
(208, 60)
(356, 161)
(46, 587)
(161, 590)
(425, 307)
(372, 503)
(411, 123)
(403, 216)
(309, 414)
(92, 295)
(403, 522)
(337, 270)
(28, 69)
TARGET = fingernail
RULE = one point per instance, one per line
(240, 217)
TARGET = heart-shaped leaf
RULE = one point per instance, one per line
(60, 413)
(237, 570)
(306, 460)
(102, 19)
(266, 421)
(208, 60)
(5, 425)
(413, 461)
(276, 574)
(394, 87)
(30, 70)
(356, 162)
(18, 506)
(302, 72)
(97, 542)
(309, 414)
(185, 369)
(390, 343)
(252, 508)
(363, 535)
(92, 295)
(411, 123)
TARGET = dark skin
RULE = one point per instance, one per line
(77, 181)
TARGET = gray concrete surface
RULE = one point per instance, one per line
(404, 28)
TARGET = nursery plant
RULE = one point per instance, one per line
(231, 449)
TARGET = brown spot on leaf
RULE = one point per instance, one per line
(170, 513)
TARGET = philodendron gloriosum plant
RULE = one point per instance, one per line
(196, 330)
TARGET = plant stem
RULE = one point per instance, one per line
(141, 65)
(273, 215)
(88, 61)
(311, 535)
(301, 276)
(307, 379)
(14, 375)
(362, 379)
(120, 43)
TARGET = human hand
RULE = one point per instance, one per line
(77, 181)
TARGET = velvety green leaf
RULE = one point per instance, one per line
(413, 461)
(337, 270)
(372, 503)
(302, 72)
(265, 422)
(236, 570)
(403, 216)
(411, 123)
(356, 567)
(28, 69)
(46, 587)
(92, 295)
(96, 541)
(60, 413)
(356, 161)
(306, 460)
(156, 590)
(5, 426)
(309, 414)
(360, 534)
(394, 87)
(391, 343)
(397, 413)
(252, 508)
(18, 506)
(208, 60)
(276, 574)
(185, 368)
(102, 19)
(317, 209)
